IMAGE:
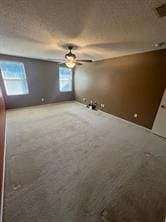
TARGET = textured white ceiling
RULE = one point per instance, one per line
(100, 28)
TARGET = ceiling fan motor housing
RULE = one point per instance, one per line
(70, 55)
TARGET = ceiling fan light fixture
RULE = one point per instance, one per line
(70, 64)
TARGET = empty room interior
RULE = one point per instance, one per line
(83, 111)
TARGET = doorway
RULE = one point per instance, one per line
(159, 126)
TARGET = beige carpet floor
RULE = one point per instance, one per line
(65, 163)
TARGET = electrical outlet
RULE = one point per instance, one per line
(135, 115)
(42, 99)
(84, 99)
(102, 105)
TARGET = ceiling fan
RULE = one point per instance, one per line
(71, 59)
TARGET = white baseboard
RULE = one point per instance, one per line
(124, 120)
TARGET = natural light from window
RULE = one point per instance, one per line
(65, 79)
(14, 77)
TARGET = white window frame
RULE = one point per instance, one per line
(14, 78)
(65, 79)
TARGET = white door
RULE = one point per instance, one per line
(159, 126)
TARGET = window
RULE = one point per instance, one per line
(65, 79)
(14, 78)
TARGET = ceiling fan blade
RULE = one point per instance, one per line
(56, 60)
(77, 62)
(84, 60)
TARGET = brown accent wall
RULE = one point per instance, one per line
(126, 85)
(2, 138)
(43, 82)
